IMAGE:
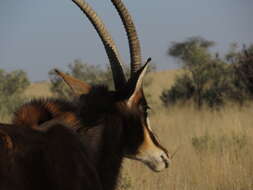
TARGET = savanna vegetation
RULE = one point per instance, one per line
(210, 79)
(203, 111)
(92, 74)
(12, 87)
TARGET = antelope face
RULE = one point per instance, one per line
(141, 142)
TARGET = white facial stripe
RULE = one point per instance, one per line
(150, 151)
(151, 154)
(150, 129)
(148, 124)
(148, 147)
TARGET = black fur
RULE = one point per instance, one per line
(109, 129)
(53, 159)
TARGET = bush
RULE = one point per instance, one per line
(219, 144)
(12, 87)
(243, 66)
(208, 83)
(182, 90)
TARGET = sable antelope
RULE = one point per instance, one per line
(52, 159)
(113, 124)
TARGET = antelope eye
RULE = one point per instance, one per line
(146, 109)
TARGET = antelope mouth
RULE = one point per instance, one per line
(158, 166)
(153, 163)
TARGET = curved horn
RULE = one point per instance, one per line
(134, 44)
(110, 47)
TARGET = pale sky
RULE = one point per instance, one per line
(38, 35)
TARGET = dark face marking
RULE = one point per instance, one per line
(137, 139)
(141, 143)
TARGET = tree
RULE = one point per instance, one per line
(193, 51)
(207, 79)
(242, 62)
(12, 87)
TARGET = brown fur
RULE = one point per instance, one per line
(39, 111)
(53, 159)
(109, 128)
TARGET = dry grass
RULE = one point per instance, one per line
(225, 166)
(229, 169)
(39, 89)
(225, 162)
(35, 90)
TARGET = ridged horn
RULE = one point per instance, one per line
(110, 47)
(133, 40)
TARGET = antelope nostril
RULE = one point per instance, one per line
(166, 162)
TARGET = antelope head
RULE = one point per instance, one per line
(128, 100)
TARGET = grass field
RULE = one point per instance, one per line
(215, 146)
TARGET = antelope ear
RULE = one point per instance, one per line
(77, 86)
(136, 85)
(5, 140)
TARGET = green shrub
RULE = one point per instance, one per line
(182, 90)
(243, 66)
(219, 144)
(208, 83)
(12, 87)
